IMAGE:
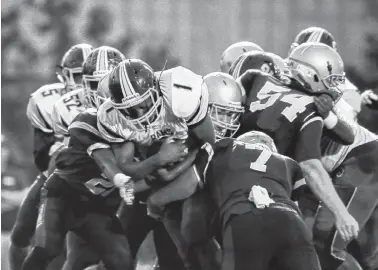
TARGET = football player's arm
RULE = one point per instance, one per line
(41, 149)
(335, 127)
(106, 160)
(59, 126)
(338, 130)
(317, 178)
(124, 154)
(169, 175)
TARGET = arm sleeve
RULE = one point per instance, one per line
(308, 142)
(299, 182)
(88, 136)
(36, 117)
(42, 144)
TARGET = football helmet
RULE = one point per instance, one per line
(99, 62)
(234, 51)
(313, 34)
(254, 60)
(72, 65)
(225, 103)
(280, 63)
(102, 90)
(317, 66)
(133, 90)
(258, 140)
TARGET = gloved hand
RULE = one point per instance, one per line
(324, 104)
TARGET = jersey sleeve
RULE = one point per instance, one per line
(107, 130)
(36, 117)
(298, 179)
(308, 144)
(59, 126)
(88, 136)
(42, 144)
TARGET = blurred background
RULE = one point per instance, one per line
(36, 33)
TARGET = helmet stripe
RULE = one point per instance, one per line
(102, 61)
(238, 66)
(127, 88)
(86, 51)
(316, 35)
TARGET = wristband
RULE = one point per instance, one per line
(331, 121)
(120, 179)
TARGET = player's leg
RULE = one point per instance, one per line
(296, 251)
(50, 231)
(357, 186)
(105, 235)
(166, 250)
(24, 227)
(79, 254)
(198, 212)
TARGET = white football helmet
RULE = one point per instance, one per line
(258, 140)
(234, 51)
(317, 66)
(225, 103)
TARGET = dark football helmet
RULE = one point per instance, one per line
(98, 63)
(254, 60)
(133, 90)
(314, 34)
(72, 65)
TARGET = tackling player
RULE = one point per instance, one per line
(252, 187)
(289, 117)
(353, 167)
(39, 112)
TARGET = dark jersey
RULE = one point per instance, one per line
(282, 113)
(234, 168)
(75, 164)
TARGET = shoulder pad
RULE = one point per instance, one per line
(184, 92)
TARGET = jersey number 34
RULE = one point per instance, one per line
(273, 93)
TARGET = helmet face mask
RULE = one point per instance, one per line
(225, 119)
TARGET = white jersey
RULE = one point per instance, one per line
(40, 106)
(65, 110)
(175, 113)
(351, 95)
(333, 153)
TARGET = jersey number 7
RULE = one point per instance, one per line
(273, 92)
(259, 164)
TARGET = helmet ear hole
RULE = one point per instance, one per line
(316, 78)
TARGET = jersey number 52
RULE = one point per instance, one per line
(273, 92)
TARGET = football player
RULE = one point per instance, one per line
(353, 166)
(143, 110)
(225, 103)
(253, 186)
(288, 115)
(234, 51)
(350, 92)
(39, 112)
